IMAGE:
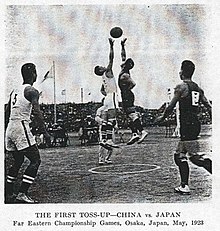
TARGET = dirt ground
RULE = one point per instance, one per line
(140, 173)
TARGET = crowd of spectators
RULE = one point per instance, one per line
(74, 115)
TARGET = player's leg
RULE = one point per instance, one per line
(201, 161)
(18, 160)
(107, 135)
(133, 119)
(108, 157)
(32, 153)
(102, 140)
(102, 151)
(135, 122)
(11, 138)
(182, 162)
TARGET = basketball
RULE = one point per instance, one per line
(116, 32)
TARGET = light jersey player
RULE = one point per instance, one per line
(108, 88)
(19, 141)
(190, 96)
(107, 127)
(126, 84)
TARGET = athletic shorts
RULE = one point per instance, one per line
(127, 99)
(188, 149)
(110, 101)
(18, 136)
(191, 147)
(189, 130)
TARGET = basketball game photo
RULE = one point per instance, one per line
(109, 116)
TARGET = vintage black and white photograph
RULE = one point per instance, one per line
(109, 104)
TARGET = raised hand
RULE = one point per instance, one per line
(123, 41)
(111, 41)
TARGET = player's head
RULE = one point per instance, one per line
(187, 69)
(129, 63)
(99, 70)
(29, 73)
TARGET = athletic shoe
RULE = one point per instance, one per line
(143, 135)
(182, 190)
(101, 162)
(133, 139)
(23, 198)
(108, 161)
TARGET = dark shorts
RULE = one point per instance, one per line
(189, 130)
(127, 99)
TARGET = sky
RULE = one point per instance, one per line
(75, 38)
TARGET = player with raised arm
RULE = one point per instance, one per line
(109, 90)
(19, 141)
(189, 95)
(126, 84)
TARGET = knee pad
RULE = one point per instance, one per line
(179, 159)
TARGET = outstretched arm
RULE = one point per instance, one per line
(123, 52)
(109, 71)
(172, 104)
(111, 53)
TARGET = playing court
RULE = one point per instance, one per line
(140, 173)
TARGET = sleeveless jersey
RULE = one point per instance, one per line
(109, 84)
(189, 105)
(123, 85)
(20, 106)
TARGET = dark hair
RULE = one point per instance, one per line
(27, 70)
(97, 71)
(188, 68)
(129, 60)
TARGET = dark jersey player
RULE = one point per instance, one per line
(126, 84)
(19, 141)
(189, 95)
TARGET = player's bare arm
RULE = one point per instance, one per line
(103, 90)
(109, 72)
(177, 94)
(206, 103)
(32, 95)
(123, 52)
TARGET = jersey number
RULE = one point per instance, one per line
(195, 98)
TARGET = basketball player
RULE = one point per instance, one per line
(108, 89)
(19, 141)
(126, 84)
(189, 95)
(107, 128)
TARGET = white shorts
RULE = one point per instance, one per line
(18, 136)
(111, 101)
